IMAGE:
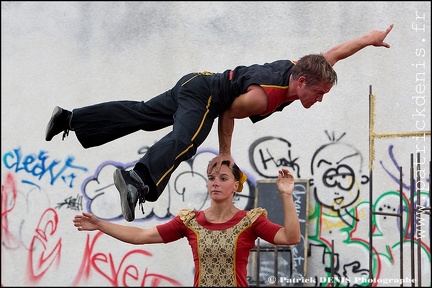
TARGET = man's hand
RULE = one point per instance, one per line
(377, 37)
(344, 50)
(218, 162)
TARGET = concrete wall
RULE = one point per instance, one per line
(74, 54)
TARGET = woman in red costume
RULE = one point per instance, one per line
(220, 236)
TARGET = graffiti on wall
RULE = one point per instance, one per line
(40, 193)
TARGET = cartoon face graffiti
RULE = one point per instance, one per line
(336, 170)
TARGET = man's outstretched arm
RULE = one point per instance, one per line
(344, 50)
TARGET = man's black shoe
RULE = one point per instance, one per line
(59, 122)
(131, 189)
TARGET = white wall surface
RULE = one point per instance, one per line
(74, 54)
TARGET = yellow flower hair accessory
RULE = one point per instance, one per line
(242, 180)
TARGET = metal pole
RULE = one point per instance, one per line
(258, 263)
(332, 264)
(430, 214)
(401, 238)
(412, 222)
(418, 221)
(276, 264)
(370, 183)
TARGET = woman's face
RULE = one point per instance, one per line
(221, 185)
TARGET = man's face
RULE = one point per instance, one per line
(309, 95)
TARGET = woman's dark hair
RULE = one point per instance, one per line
(234, 169)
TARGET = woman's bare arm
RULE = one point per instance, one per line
(128, 234)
